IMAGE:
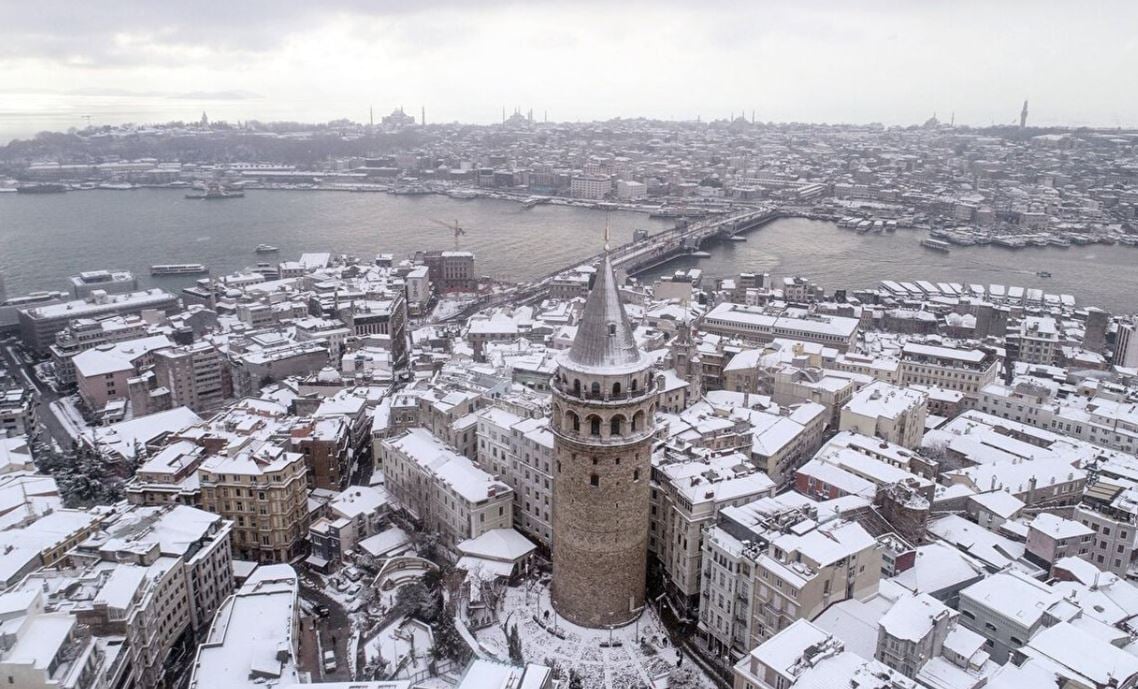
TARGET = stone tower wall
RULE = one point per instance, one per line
(601, 506)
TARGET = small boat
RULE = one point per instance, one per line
(936, 245)
(178, 269)
(737, 238)
(700, 254)
(1043, 274)
(266, 249)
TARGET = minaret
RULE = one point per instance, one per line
(604, 407)
(1023, 115)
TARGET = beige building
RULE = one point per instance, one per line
(769, 563)
(105, 373)
(687, 494)
(886, 411)
(264, 492)
(196, 376)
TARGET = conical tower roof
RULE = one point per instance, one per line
(604, 338)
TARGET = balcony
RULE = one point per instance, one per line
(604, 396)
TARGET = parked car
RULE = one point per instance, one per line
(329, 661)
(321, 610)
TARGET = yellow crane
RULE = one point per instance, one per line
(454, 227)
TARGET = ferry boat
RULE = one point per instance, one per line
(1044, 274)
(51, 188)
(178, 269)
(266, 249)
(535, 201)
(463, 194)
(216, 192)
(936, 245)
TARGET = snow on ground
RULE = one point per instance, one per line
(402, 638)
(628, 666)
(449, 307)
(69, 417)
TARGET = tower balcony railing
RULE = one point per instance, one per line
(584, 436)
(604, 396)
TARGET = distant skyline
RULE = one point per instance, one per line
(65, 64)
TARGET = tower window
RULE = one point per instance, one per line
(594, 480)
(595, 425)
(635, 474)
(616, 425)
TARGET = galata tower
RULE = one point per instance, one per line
(604, 408)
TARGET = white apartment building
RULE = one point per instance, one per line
(1039, 340)
(629, 190)
(891, 413)
(1008, 608)
(519, 451)
(687, 494)
(755, 325)
(445, 491)
(594, 187)
(951, 368)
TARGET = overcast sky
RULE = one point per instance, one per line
(831, 61)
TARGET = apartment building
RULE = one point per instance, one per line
(107, 372)
(594, 187)
(39, 325)
(1039, 340)
(519, 451)
(770, 562)
(449, 271)
(782, 442)
(264, 492)
(892, 413)
(804, 655)
(1109, 508)
(755, 325)
(17, 412)
(353, 515)
(687, 492)
(1008, 608)
(951, 368)
(84, 333)
(445, 491)
(196, 375)
(1051, 538)
(255, 636)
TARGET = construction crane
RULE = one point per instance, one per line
(455, 227)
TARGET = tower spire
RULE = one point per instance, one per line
(605, 339)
